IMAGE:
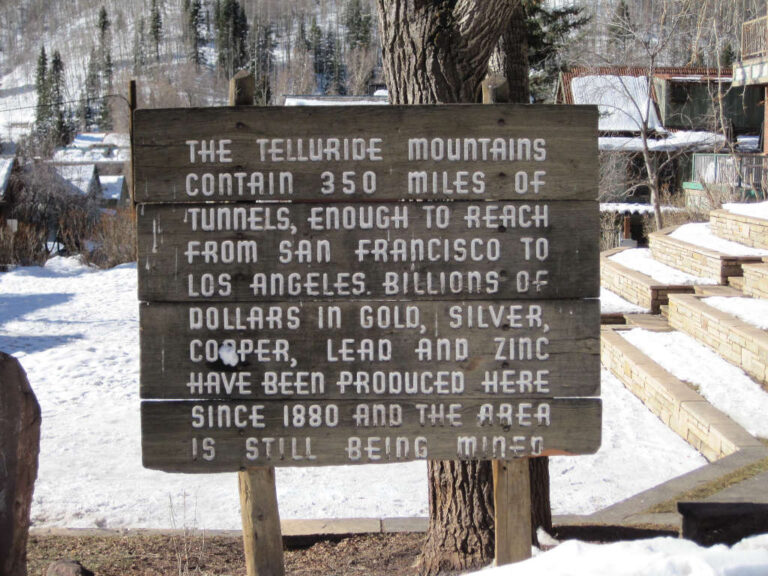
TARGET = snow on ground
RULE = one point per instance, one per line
(612, 303)
(755, 210)
(652, 557)
(75, 331)
(725, 386)
(640, 260)
(751, 310)
(701, 235)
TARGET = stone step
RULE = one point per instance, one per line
(739, 343)
(676, 403)
(737, 228)
(634, 286)
(755, 280)
(696, 260)
(647, 322)
(725, 291)
(737, 282)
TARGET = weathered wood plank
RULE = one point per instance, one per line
(262, 539)
(222, 436)
(512, 508)
(372, 350)
(273, 253)
(559, 143)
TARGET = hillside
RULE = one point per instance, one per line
(279, 34)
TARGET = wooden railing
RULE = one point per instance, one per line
(754, 38)
(732, 170)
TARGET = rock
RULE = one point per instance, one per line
(67, 568)
(19, 448)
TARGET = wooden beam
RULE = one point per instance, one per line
(512, 502)
(262, 539)
(261, 522)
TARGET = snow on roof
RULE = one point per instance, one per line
(6, 165)
(91, 155)
(80, 176)
(118, 139)
(682, 140)
(623, 102)
(88, 139)
(111, 187)
(335, 100)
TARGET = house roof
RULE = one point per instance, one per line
(622, 93)
(111, 187)
(95, 147)
(625, 103)
(80, 176)
(6, 166)
(673, 73)
(310, 100)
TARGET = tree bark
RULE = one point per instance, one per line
(438, 52)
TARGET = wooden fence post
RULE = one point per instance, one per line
(511, 479)
(262, 538)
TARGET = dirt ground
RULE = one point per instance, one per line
(196, 554)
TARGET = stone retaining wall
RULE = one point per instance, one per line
(683, 410)
(740, 343)
(634, 286)
(756, 280)
(694, 259)
(737, 228)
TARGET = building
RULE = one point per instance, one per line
(672, 112)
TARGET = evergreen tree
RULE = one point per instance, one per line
(194, 21)
(104, 26)
(156, 28)
(548, 32)
(105, 71)
(89, 109)
(727, 56)
(316, 47)
(42, 89)
(263, 61)
(358, 25)
(335, 73)
(139, 51)
(231, 36)
(61, 127)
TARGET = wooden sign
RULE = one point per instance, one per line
(370, 350)
(366, 285)
(222, 436)
(458, 152)
(410, 251)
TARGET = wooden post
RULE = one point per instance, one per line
(132, 104)
(512, 503)
(262, 538)
(511, 479)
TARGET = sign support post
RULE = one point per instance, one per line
(512, 505)
(262, 538)
(511, 479)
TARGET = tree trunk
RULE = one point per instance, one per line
(438, 52)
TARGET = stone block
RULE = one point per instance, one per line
(19, 448)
